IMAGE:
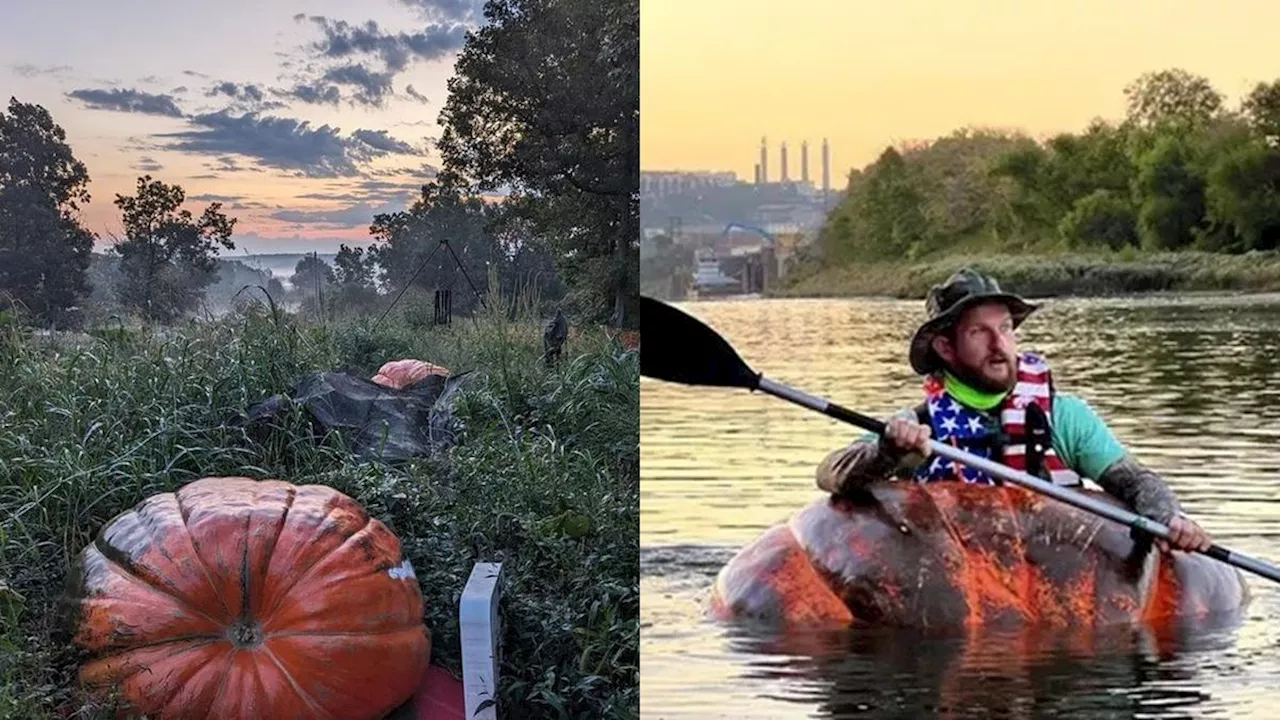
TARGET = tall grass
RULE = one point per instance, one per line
(544, 479)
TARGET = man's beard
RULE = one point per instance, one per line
(974, 379)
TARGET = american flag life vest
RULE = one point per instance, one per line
(963, 427)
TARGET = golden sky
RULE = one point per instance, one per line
(717, 75)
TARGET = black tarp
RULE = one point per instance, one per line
(375, 421)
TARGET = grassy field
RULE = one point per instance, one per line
(91, 425)
(1046, 275)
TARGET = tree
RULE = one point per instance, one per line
(1050, 181)
(353, 275)
(44, 250)
(167, 257)
(406, 240)
(1262, 108)
(1242, 197)
(1101, 218)
(545, 102)
(351, 269)
(1172, 97)
(1172, 195)
(311, 273)
(893, 207)
(1036, 201)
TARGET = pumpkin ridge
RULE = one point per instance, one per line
(131, 577)
(246, 613)
(275, 539)
(301, 693)
(284, 594)
(222, 686)
(193, 669)
(343, 633)
(185, 514)
(209, 639)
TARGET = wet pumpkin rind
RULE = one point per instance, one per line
(240, 598)
(952, 555)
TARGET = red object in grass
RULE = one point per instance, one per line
(400, 374)
(439, 697)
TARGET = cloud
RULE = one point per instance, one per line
(214, 197)
(147, 164)
(342, 40)
(246, 96)
(370, 191)
(225, 163)
(460, 11)
(254, 243)
(426, 171)
(193, 73)
(277, 142)
(313, 94)
(416, 95)
(236, 92)
(131, 101)
(179, 90)
(359, 214)
(152, 79)
(380, 140)
(27, 70)
(373, 87)
(386, 191)
(333, 196)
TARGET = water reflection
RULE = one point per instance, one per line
(1189, 383)
(1116, 674)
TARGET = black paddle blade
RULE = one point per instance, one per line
(680, 348)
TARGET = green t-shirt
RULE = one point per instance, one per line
(1081, 438)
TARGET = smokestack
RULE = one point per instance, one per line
(804, 161)
(757, 173)
(764, 160)
(826, 170)
(785, 177)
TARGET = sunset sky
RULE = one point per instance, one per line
(716, 75)
(305, 118)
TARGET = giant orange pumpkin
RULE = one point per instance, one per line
(958, 555)
(236, 598)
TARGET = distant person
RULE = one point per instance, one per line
(553, 336)
(984, 397)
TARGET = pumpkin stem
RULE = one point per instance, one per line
(245, 633)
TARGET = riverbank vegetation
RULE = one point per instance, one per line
(1175, 196)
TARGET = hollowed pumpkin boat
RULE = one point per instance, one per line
(958, 555)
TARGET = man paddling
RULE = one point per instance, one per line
(983, 396)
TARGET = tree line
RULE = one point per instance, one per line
(1181, 171)
(531, 112)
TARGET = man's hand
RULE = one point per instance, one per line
(903, 436)
(1185, 535)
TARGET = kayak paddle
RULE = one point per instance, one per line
(682, 349)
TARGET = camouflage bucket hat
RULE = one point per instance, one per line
(947, 301)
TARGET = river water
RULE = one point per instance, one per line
(1191, 383)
